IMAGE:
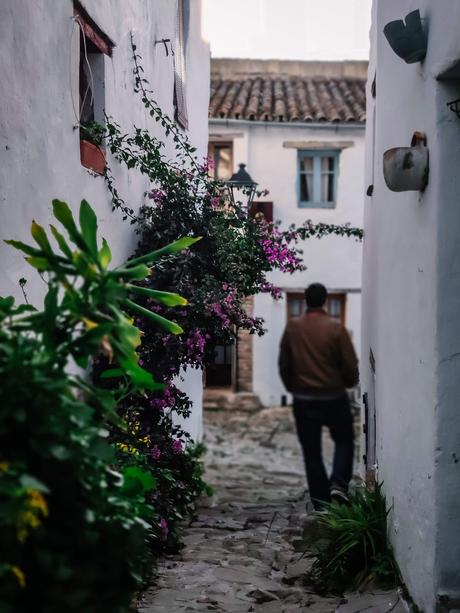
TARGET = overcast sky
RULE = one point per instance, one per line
(288, 29)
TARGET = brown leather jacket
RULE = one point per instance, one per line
(317, 355)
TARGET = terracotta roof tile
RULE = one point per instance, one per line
(287, 97)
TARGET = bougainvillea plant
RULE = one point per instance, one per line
(76, 525)
(230, 263)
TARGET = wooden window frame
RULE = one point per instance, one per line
(92, 31)
(211, 154)
(331, 296)
(316, 155)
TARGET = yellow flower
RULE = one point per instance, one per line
(29, 518)
(89, 324)
(20, 576)
(4, 466)
(37, 501)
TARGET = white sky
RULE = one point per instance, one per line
(288, 29)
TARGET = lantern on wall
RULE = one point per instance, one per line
(241, 188)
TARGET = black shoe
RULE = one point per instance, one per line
(339, 495)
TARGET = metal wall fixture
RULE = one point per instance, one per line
(454, 106)
(241, 188)
(408, 39)
(406, 168)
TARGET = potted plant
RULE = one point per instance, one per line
(92, 153)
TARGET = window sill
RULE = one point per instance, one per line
(316, 205)
(92, 157)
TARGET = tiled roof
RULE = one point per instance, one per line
(284, 96)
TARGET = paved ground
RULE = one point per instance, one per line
(238, 555)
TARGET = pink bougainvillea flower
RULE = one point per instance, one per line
(177, 446)
(155, 452)
(164, 527)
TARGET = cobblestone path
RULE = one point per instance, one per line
(239, 555)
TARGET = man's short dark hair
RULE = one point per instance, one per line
(315, 295)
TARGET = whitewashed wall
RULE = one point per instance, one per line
(334, 261)
(411, 301)
(39, 147)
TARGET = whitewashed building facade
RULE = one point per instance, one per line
(411, 291)
(50, 52)
(299, 128)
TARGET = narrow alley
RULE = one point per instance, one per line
(239, 555)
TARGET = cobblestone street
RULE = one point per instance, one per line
(239, 555)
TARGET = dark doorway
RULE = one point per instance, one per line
(219, 373)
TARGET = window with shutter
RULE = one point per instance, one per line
(180, 101)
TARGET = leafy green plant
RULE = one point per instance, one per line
(75, 527)
(349, 544)
(93, 132)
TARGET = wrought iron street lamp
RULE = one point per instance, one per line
(241, 188)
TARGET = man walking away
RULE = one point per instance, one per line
(317, 362)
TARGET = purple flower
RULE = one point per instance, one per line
(177, 446)
(164, 527)
(155, 452)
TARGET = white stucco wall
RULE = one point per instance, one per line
(334, 261)
(411, 292)
(39, 152)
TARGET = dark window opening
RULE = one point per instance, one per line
(94, 45)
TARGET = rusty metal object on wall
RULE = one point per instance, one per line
(406, 168)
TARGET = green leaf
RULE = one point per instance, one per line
(63, 214)
(179, 245)
(137, 273)
(40, 263)
(170, 326)
(166, 298)
(146, 478)
(111, 373)
(39, 236)
(63, 246)
(24, 248)
(139, 377)
(30, 482)
(104, 255)
(88, 225)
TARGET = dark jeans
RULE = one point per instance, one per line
(310, 417)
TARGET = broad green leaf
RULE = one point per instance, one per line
(170, 326)
(146, 478)
(139, 377)
(88, 225)
(63, 246)
(166, 298)
(6, 304)
(24, 248)
(39, 236)
(105, 255)
(179, 245)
